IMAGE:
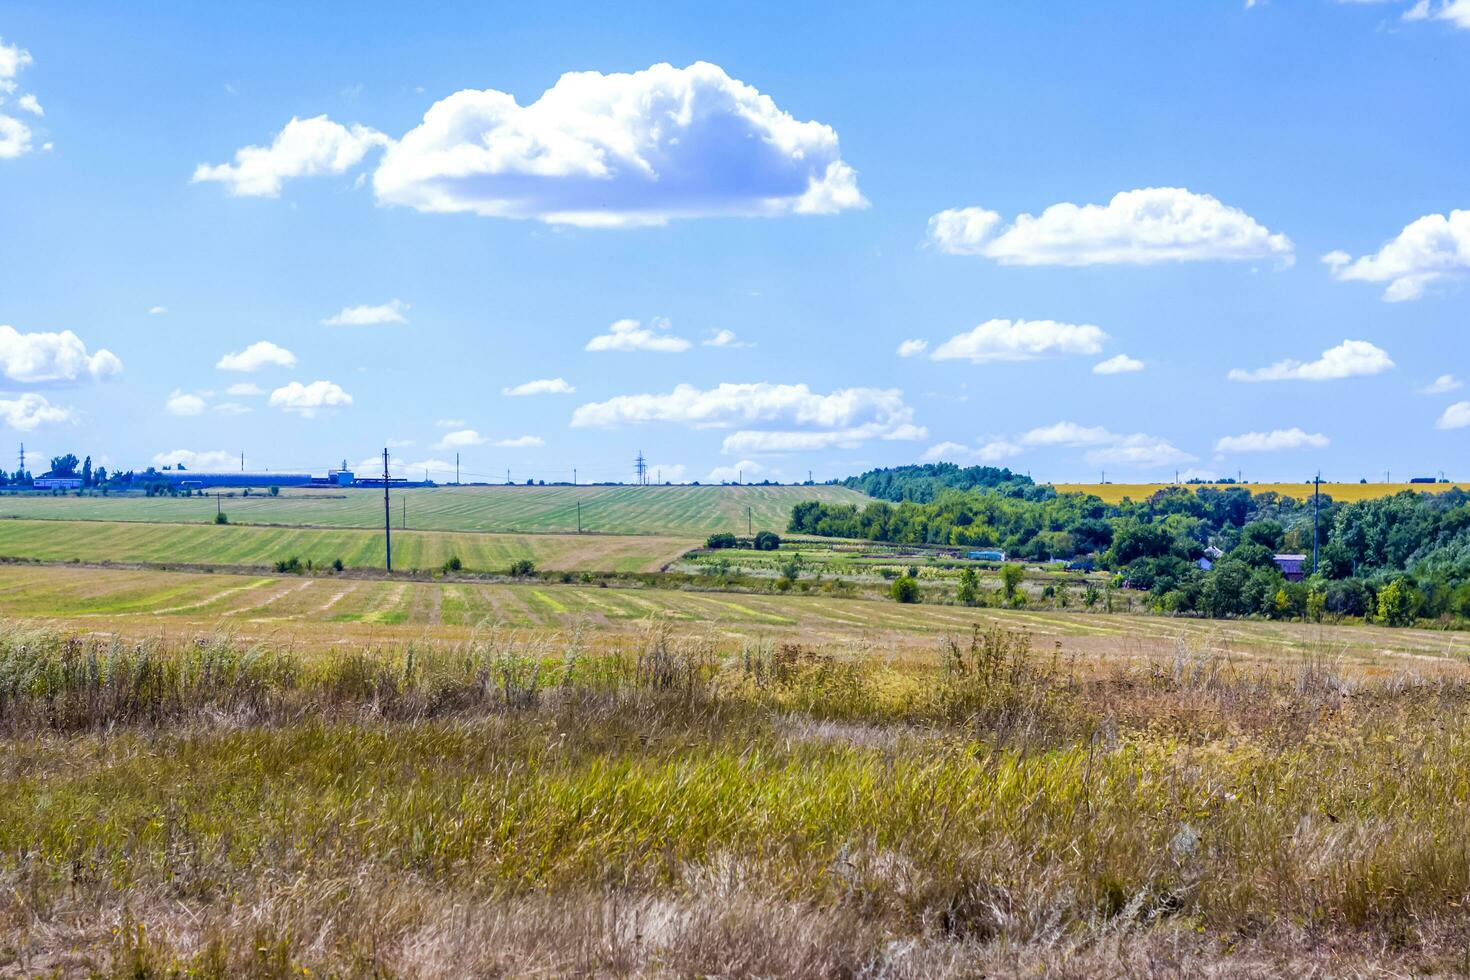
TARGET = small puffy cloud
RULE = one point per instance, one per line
(1349, 359)
(1455, 12)
(521, 442)
(209, 459)
(450, 423)
(543, 386)
(157, 310)
(29, 411)
(1273, 441)
(258, 355)
(1020, 340)
(1140, 450)
(303, 148)
(630, 335)
(1442, 385)
(244, 389)
(724, 338)
(460, 439)
(1068, 434)
(1429, 249)
(52, 358)
(308, 399)
(15, 136)
(912, 348)
(12, 59)
(799, 419)
(1140, 227)
(185, 403)
(30, 104)
(1121, 364)
(232, 408)
(743, 470)
(995, 451)
(1457, 416)
(619, 150)
(369, 316)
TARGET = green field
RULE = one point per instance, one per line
(679, 510)
(232, 544)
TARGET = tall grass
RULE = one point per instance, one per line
(649, 807)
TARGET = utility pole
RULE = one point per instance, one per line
(640, 468)
(22, 460)
(507, 476)
(574, 478)
(1316, 504)
(579, 517)
(456, 469)
(749, 523)
(387, 517)
(217, 510)
(404, 500)
(242, 462)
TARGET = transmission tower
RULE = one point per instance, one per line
(640, 467)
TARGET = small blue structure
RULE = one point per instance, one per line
(986, 555)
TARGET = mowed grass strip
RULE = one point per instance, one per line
(1113, 493)
(96, 541)
(677, 510)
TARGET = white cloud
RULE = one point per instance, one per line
(912, 348)
(210, 459)
(460, 439)
(232, 408)
(1020, 340)
(244, 389)
(1121, 364)
(369, 316)
(845, 417)
(29, 411)
(1068, 434)
(666, 472)
(543, 386)
(627, 335)
(303, 148)
(1429, 249)
(743, 470)
(1273, 441)
(1457, 416)
(306, 400)
(725, 338)
(1141, 227)
(15, 136)
(158, 310)
(1456, 12)
(260, 354)
(1139, 449)
(619, 150)
(52, 358)
(450, 423)
(184, 403)
(1349, 359)
(521, 442)
(1442, 385)
(995, 451)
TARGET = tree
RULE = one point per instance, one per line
(1396, 603)
(87, 472)
(64, 465)
(905, 590)
(1010, 577)
(721, 540)
(969, 587)
(767, 541)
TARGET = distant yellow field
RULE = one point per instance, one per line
(1114, 492)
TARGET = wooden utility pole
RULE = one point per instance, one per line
(1316, 506)
(387, 517)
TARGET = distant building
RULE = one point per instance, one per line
(198, 481)
(1213, 553)
(986, 555)
(1294, 567)
(1205, 564)
(49, 482)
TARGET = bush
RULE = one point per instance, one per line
(723, 540)
(337, 565)
(522, 568)
(453, 564)
(905, 589)
(767, 541)
(275, 491)
(221, 518)
(290, 565)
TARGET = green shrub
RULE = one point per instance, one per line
(522, 568)
(722, 540)
(905, 589)
(290, 565)
(221, 518)
(453, 564)
(767, 541)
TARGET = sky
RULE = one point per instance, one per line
(1125, 241)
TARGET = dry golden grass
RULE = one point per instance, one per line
(1113, 493)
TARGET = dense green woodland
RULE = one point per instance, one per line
(1396, 559)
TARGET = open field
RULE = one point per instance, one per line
(683, 511)
(774, 786)
(233, 544)
(321, 612)
(1113, 493)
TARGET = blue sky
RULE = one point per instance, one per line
(1248, 213)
